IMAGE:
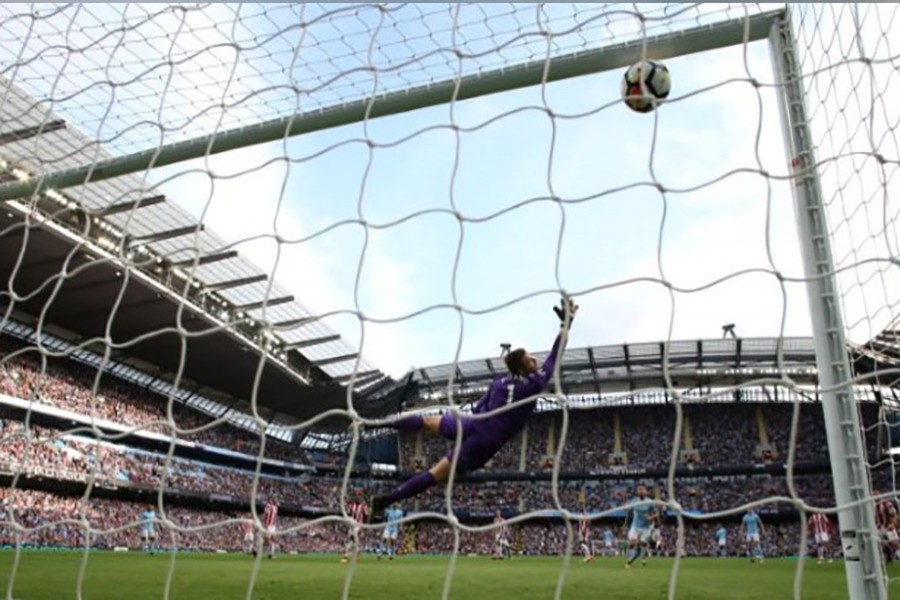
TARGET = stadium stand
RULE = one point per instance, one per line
(607, 450)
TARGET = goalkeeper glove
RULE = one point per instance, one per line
(561, 311)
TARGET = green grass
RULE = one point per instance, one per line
(133, 576)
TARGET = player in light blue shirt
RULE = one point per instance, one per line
(609, 543)
(753, 528)
(722, 541)
(148, 531)
(642, 514)
(391, 532)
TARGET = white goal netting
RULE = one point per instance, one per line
(208, 208)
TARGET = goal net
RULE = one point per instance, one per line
(212, 213)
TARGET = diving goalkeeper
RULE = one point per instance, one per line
(483, 438)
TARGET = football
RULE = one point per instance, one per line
(645, 85)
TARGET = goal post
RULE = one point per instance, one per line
(659, 32)
(699, 39)
(846, 449)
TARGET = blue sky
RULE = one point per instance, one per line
(614, 249)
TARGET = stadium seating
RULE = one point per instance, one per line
(640, 436)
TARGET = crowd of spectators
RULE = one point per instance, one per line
(720, 434)
(69, 385)
(32, 518)
(641, 436)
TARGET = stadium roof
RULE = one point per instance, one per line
(66, 257)
(625, 368)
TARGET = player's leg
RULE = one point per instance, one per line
(443, 425)
(411, 487)
(273, 547)
(634, 549)
(348, 547)
(474, 452)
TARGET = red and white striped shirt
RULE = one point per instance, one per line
(584, 530)
(358, 511)
(819, 524)
(885, 512)
(501, 531)
(270, 515)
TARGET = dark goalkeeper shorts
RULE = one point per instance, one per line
(479, 442)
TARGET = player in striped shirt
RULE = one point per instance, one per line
(584, 538)
(502, 548)
(358, 511)
(886, 523)
(249, 537)
(270, 518)
(820, 526)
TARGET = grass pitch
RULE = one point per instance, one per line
(134, 576)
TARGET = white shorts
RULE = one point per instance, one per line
(753, 537)
(248, 537)
(389, 534)
(148, 534)
(640, 534)
(607, 544)
(721, 544)
(655, 535)
(822, 538)
(889, 535)
(270, 530)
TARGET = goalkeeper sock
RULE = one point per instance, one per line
(412, 486)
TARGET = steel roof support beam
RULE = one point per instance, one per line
(130, 205)
(628, 366)
(359, 376)
(25, 133)
(233, 283)
(167, 235)
(313, 342)
(335, 359)
(590, 353)
(490, 367)
(292, 323)
(427, 379)
(205, 260)
(267, 303)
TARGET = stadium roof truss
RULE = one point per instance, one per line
(95, 232)
(628, 368)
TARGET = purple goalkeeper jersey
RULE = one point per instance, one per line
(510, 389)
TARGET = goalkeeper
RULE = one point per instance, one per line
(483, 438)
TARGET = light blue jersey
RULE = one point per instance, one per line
(751, 523)
(147, 521)
(608, 537)
(721, 536)
(641, 514)
(393, 516)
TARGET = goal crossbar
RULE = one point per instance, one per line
(699, 39)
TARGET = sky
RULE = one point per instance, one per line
(435, 232)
